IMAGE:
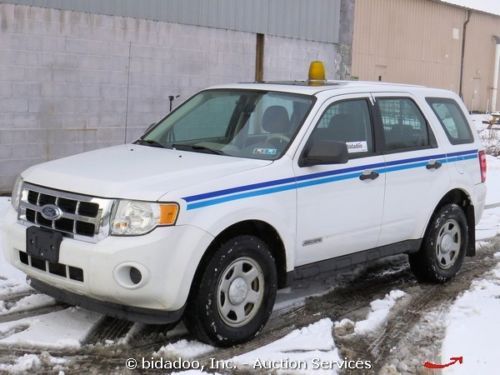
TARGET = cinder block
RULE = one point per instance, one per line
(13, 105)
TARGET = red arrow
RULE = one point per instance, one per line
(452, 359)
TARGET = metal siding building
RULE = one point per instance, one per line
(420, 41)
(316, 20)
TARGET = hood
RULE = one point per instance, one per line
(135, 171)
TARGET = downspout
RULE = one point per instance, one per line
(494, 91)
(464, 34)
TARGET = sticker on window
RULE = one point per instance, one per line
(265, 151)
(354, 147)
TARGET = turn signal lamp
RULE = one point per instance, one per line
(317, 74)
(168, 214)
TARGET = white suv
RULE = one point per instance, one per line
(245, 188)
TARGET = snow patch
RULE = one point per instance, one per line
(27, 303)
(489, 225)
(380, 309)
(312, 342)
(61, 329)
(22, 365)
(472, 328)
(184, 349)
(11, 279)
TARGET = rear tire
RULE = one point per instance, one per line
(444, 246)
(234, 297)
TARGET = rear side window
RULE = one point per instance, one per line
(405, 128)
(347, 121)
(452, 120)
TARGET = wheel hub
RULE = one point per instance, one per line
(446, 243)
(238, 291)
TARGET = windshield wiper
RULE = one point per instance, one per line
(195, 148)
(149, 142)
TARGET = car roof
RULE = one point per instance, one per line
(330, 87)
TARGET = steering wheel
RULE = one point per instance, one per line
(282, 139)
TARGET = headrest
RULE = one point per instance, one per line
(275, 120)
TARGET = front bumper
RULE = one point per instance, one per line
(136, 314)
(167, 258)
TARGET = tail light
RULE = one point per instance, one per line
(482, 163)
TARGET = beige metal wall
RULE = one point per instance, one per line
(420, 42)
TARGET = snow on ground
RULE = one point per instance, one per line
(61, 329)
(493, 179)
(379, 313)
(473, 328)
(26, 303)
(32, 362)
(184, 349)
(11, 280)
(22, 365)
(489, 225)
(490, 135)
(300, 347)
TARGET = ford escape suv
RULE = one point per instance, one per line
(245, 188)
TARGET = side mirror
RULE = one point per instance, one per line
(321, 152)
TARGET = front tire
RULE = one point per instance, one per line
(444, 246)
(234, 297)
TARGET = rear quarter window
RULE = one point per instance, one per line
(452, 120)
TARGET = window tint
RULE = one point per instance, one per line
(207, 120)
(240, 123)
(405, 127)
(347, 121)
(452, 119)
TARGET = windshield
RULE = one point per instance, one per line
(242, 123)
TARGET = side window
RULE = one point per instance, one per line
(452, 120)
(405, 128)
(347, 121)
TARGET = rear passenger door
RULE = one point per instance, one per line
(414, 167)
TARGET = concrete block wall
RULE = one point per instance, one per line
(72, 82)
(289, 59)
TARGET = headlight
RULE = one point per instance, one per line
(134, 218)
(16, 193)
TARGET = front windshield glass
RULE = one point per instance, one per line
(242, 123)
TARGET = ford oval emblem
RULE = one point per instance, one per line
(51, 212)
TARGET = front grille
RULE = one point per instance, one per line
(81, 217)
(59, 269)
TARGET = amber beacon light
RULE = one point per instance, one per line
(317, 73)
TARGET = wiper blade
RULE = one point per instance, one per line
(208, 150)
(149, 142)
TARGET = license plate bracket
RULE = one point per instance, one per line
(43, 243)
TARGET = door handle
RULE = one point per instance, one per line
(368, 175)
(433, 164)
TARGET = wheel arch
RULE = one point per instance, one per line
(258, 228)
(463, 199)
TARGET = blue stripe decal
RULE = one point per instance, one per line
(275, 186)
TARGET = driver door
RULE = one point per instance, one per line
(338, 210)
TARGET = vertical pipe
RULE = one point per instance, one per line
(464, 34)
(259, 58)
(494, 91)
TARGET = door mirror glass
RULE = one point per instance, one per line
(322, 151)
